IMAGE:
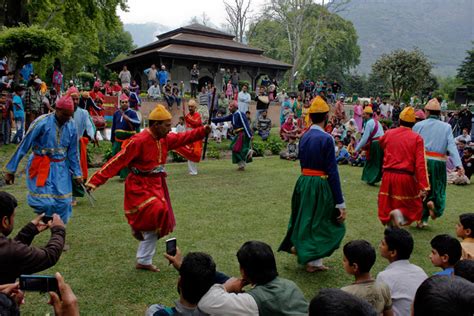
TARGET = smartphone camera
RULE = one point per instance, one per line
(171, 246)
(39, 283)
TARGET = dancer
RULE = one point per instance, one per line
(316, 226)
(405, 178)
(147, 203)
(53, 140)
(369, 142)
(439, 140)
(241, 143)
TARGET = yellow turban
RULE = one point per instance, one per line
(318, 106)
(433, 105)
(408, 115)
(159, 113)
(368, 109)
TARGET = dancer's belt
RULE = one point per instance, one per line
(153, 172)
(435, 155)
(398, 171)
(313, 173)
(40, 168)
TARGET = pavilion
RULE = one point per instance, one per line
(212, 50)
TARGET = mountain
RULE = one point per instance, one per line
(442, 29)
(145, 33)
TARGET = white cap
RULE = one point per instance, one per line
(38, 81)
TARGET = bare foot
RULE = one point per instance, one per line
(431, 208)
(312, 269)
(149, 267)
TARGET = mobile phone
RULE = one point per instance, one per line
(46, 219)
(39, 283)
(171, 246)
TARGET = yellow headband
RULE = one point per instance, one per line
(318, 106)
(159, 113)
(408, 115)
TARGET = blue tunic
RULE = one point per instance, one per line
(238, 119)
(316, 151)
(121, 124)
(46, 137)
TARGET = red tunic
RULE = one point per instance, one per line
(146, 202)
(404, 174)
(192, 151)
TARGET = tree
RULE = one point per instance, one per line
(466, 69)
(403, 71)
(237, 16)
(32, 43)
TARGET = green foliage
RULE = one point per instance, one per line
(273, 145)
(466, 70)
(405, 72)
(176, 158)
(213, 153)
(364, 86)
(447, 87)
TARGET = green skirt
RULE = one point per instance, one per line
(313, 229)
(438, 179)
(372, 172)
(241, 155)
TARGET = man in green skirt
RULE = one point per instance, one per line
(316, 226)
(242, 141)
(439, 140)
(369, 142)
(125, 124)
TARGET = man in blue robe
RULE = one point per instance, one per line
(53, 140)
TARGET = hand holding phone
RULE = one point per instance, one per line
(46, 219)
(39, 283)
(171, 246)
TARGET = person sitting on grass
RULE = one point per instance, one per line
(446, 296)
(197, 273)
(446, 251)
(264, 126)
(335, 302)
(402, 277)
(342, 155)
(465, 231)
(291, 152)
(465, 269)
(17, 256)
(359, 257)
(270, 295)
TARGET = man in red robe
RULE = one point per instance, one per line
(147, 203)
(405, 177)
(193, 151)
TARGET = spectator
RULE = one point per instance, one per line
(465, 119)
(262, 102)
(340, 112)
(108, 88)
(197, 273)
(223, 104)
(6, 112)
(134, 87)
(281, 96)
(17, 256)
(154, 91)
(244, 99)
(465, 269)
(234, 79)
(402, 277)
(227, 77)
(167, 92)
(163, 76)
(288, 130)
(219, 130)
(151, 75)
(335, 302)
(446, 251)
(464, 136)
(264, 126)
(465, 231)
(291, 152)
(396, 113)
(269, 295)
(229, 91)
(285, 110)
(125, 77)
(116, 88)
(180, 127)
(442, 295)
(194, 81)
(18, 114)
(64, 303)
(385, 109)
(336, 87)
(32, 102)
(342, 155)
(468, 161)
(203, 107)
(359, 257)
(176, 94)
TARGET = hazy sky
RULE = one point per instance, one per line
(176, 13)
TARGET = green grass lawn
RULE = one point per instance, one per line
(216, 212)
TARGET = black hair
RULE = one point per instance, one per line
(434, 112)
(18, 88)
(336, 302)
(465, 269)
(360, 252)
(444, 295)
(467, 222)
(406, 124)
(447, 245)
(317, 118)
(7, 306)
(462, 141)
(8, 203)
(400, 240)
(197, 272)
(258, 262)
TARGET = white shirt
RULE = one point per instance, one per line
(244, 100)
(218, 302)
(466, 138)
(403, 279)
(384, 108)
(154, 92)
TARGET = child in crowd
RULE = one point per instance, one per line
(180, 126)
(352, 146)
(358, 160)
(291, 152)
(359, 257)
(465, 231)
(342, 155)
(402, 277)
(446, 251)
